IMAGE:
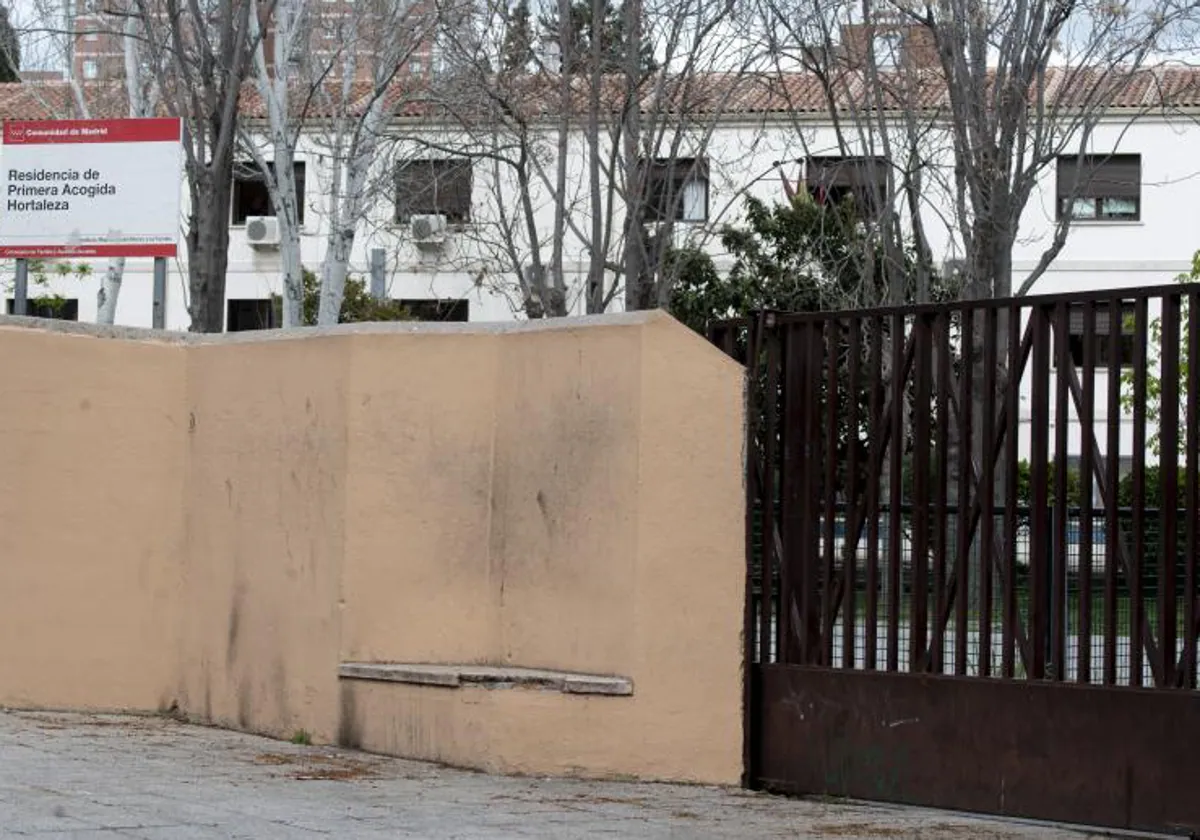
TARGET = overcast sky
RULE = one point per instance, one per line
(40, 50)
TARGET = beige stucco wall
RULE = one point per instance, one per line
(91, 513)
(265, 489)
(245, 514)
(416, 582)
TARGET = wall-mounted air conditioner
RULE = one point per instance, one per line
(262, 231)
(428, 230)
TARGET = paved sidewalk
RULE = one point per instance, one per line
(91, 776)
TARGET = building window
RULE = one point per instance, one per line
(414, 67)
(1103, 333)
(438, 310)
(91, 36)
(886, 47)
(58, 309)
(1093, 187)
(434, 187)
(250, 314)
(833, 180)
(677, 188)
(251, 196)
(90, 69)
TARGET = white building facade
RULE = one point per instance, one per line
(742, 153)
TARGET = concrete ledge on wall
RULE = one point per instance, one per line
(486, 676)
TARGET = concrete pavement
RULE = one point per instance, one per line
(106, 777)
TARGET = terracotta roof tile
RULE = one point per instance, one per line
(1167, 86)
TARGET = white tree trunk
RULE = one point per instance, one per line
(287, 213)
(110, 290)
(333, 275)
(348, 206)
(141, 104)
(281, 175)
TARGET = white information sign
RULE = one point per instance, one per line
(90, 188)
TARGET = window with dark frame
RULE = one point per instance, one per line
(58, 310)
(433, 309)
(1103, 352)
(677, 188)
(439, 186)
(242, 314)
(1100, 187)
(831, 180)
(251, 196)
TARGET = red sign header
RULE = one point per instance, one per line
(34, 132)
(40, 252)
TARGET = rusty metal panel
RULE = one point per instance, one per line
(1117, 757)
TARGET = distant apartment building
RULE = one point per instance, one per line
(97, 49)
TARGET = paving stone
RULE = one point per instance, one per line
(114, 777)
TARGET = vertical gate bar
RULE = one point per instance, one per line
(769, 523)
(896, 465)
(920, 490)
(719, 333)
(987, 488)
(1012, 395)
(1039, 528)
(1058, 559)
(852, 484)
(751, 711)
(875, 425)
(1137, 613)
(792, 476)
(1112, 456)
(966, 453)
(941, 339)
(1168, 473)
(820, 646)
(1087, 414)
(808, 401)
(1192, 513)
(814, 578)
(830, 460)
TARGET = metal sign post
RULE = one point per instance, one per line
(21, 289)
(378, 270)
(159, 317)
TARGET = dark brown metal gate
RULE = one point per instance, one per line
(931, 620)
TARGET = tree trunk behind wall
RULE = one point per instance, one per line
(208, 250)
(110, 291)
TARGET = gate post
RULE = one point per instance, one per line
(755, 473)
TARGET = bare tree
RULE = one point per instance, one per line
(515, 119)
(592, 140)
(694, 69)
(275, 81)
(200, 53)
(330, 81)
(371, 84)
(10, 49)
(973, 102)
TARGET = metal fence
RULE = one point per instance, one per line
(1091, 654)
(904, 422)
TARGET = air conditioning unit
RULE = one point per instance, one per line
(262, 231)
(428, 230)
